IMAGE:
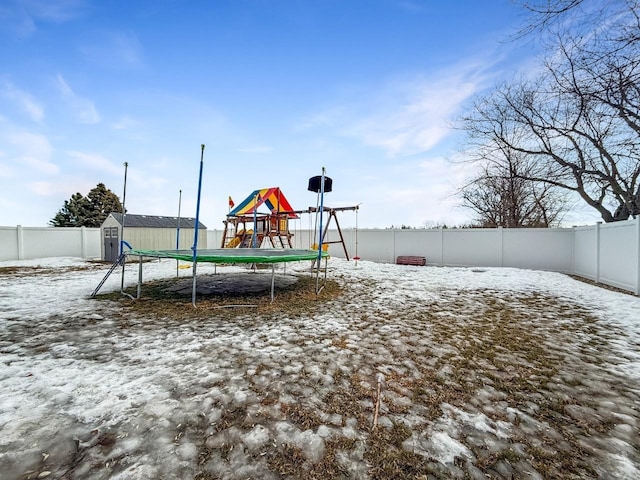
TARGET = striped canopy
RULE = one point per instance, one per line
(272, 197)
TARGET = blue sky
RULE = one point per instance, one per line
(275, 89)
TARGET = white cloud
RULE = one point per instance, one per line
(407, 117)
(23, 16)
(38, 165)
(419, 117)
(33, 151)
(7, 171)
(52, 10)
(83, 108)
(63, 187)
(96, 162)
(114, 50)
(420, 192)
(125, 123)
(256, 149)
(24, 100)
(142, 181)
(44, 188)
(330, 118)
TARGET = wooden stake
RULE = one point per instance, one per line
(377, 409)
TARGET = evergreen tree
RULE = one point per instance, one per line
(89, 211)
(102, 202)
(73, 212)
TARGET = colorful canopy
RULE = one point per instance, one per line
(272, 197)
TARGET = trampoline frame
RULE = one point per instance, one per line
(230, 256)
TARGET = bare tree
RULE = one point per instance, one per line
(578, 124)
(500, 195)
(572, 16)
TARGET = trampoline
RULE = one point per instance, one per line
(229, 256)
(233, 255)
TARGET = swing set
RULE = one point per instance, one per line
(245, 227)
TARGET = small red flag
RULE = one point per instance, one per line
(231, 204)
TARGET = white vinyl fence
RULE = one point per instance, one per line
(605, 253)
(609, 253)
(25, 243)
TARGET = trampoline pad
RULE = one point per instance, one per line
(239, 283)
(234, 255)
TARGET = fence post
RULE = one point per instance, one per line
(501, 245)
(573, 250)
(441, 247)
(598, 251)
(638, 255)
(393, 246)
(83, 241)
(20, 240)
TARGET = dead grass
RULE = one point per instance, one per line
(347, 401)
(330, 466)
(157, 300)
(601, 285)
(339, 342)
(26, 271)
(286, 460)
(506, 346)
(303, 418)
(388, 459)
(510, 338)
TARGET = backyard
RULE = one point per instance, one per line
(391, 372)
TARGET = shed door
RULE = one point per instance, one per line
(111, 244)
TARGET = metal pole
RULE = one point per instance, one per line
(278, 221)
(356, 258)
(124, 214)
(178, 232)
(195, 237)
(273, 280)
(254, 237)
(139, 278)
(320, 231)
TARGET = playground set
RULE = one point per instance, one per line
(246, 227)
(243, 245)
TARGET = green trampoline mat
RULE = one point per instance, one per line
(233, 255)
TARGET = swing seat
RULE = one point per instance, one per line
(411, 260)
(325, 247)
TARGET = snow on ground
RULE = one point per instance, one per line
(484, 371)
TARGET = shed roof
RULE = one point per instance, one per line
(153, 221)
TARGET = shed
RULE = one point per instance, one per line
(148, 232)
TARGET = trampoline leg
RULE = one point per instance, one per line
(273, 280)
(326, 264)
(139, 277)
(193, 292)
